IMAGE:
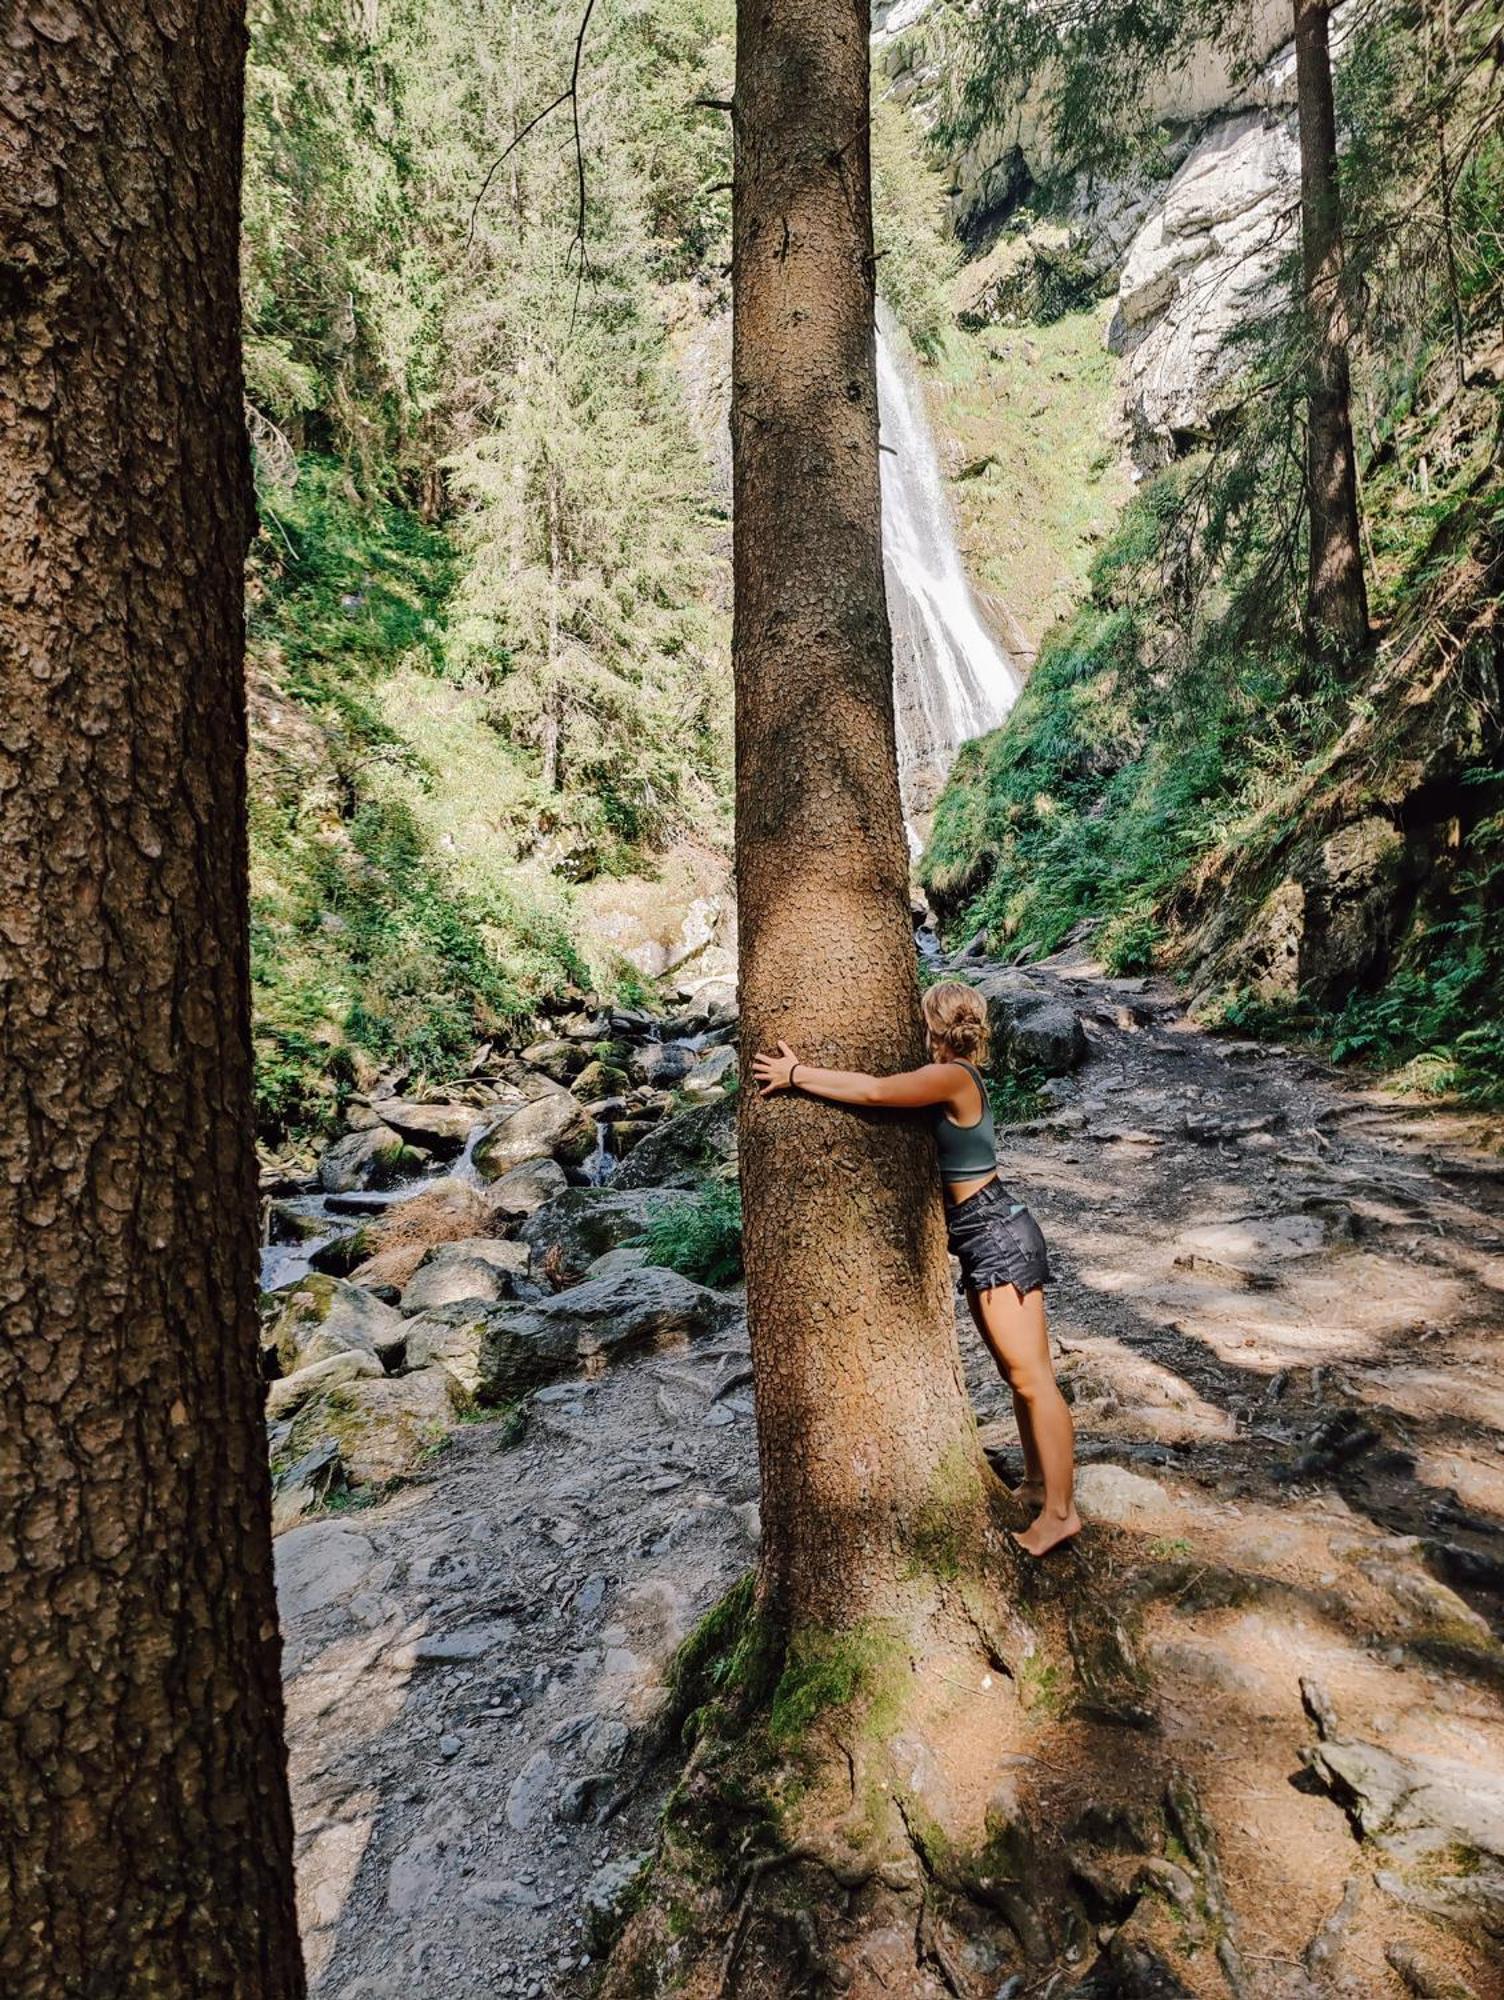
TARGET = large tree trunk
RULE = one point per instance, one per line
(148, 1834)
(864, 1429)
(1337, 598)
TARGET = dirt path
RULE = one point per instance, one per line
(1278, 1305)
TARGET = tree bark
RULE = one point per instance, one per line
(148, 1833)
(1336, 594)
(865, 1434)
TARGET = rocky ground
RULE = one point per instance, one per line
(528, 1466)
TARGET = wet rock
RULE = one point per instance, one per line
(570, 1232)
(552, 1125)
(711, 1076)
(682, 1150)
(526, 1188)
(1032, 1027)
(365, 1160)
(440, 1129)
(477, 1267)
(524, 1346)
(321, 1316)
(284, 1398)
(342, 1255)
(287, 1224)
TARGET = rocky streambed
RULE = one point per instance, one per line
(516, 1463)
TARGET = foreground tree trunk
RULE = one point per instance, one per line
(148, 1835)
(863, 1424)
(1336, 597)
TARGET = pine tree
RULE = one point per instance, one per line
(148, 1833)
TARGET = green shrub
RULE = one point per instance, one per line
(701, 1238)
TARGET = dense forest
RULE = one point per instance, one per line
(490, 601)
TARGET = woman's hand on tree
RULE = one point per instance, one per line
(775, 1073)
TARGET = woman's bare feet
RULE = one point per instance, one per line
(1047, 1531)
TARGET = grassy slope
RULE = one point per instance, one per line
(1039, 479)
(391, 923)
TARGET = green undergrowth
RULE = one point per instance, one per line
(374, 941)
(701, 1237)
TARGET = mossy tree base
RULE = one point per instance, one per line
(921, 1811)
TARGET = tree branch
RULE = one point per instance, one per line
(570, 95)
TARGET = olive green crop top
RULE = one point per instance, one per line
(966, 1151)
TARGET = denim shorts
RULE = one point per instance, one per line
(997, 1241)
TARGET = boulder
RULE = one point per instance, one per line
(662, 1063)
(372, 1159)
(340, 1255)
(616, 1263)
(321, 1316)
(288, 1224)
(559, 1060)
(284, 1398)
(525, 1189)
(581, 1224)
(387, 1428)
(522, 1347)
(479, 1267)
(1032, 1027)
(599, 1079)
(449, 1338)
(440, 1129)
(711, 1077)
(682, 1150)
(552, 1125)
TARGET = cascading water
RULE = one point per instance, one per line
(951, 679)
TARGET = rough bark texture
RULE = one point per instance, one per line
(147, 1846)
(864, 1431)
(1337, 597)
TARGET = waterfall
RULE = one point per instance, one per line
(951, 678)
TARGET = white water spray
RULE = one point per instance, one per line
(951, 678)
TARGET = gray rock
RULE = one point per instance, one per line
(440, 1129)
(531, 1790)
(558, 1060)
(608, 1896)
(552, 1125)
(567, 1235)
(471, 1642)
(365, 1160)
(288, 1395)
(661, 1063)
(629, 1257)
(449, 1338)
(1032, 1027)
(318, 1565)
(321, 1316)
(526, 1188)
(477, 1267)
(682, 1150)
(522, 1346)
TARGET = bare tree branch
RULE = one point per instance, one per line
(570, 95)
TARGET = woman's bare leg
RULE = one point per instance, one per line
(1014, 1330)
(1030, 1489)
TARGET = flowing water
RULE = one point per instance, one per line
(951, 678)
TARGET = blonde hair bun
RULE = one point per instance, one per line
(956, 1017)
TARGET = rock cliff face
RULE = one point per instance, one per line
(1184, 254)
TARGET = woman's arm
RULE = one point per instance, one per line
(936, 1083)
